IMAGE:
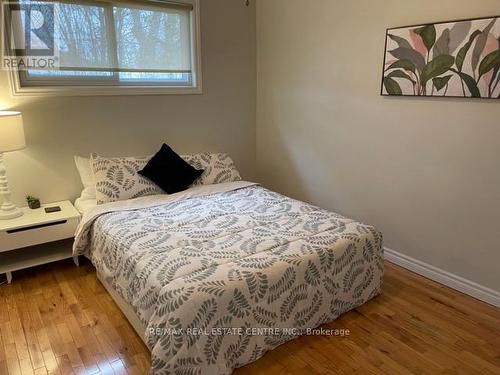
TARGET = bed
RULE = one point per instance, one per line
(213, 277)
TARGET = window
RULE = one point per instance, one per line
(120, 47)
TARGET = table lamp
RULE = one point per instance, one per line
(11, 139)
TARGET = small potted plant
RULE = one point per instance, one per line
(33, 202)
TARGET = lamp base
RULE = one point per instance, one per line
(7, 210)
(10, 213)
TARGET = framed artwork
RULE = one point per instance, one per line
(449, 59)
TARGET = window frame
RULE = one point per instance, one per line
(99, 88)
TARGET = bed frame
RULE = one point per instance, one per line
(126, 309)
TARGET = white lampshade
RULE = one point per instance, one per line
(11, 131)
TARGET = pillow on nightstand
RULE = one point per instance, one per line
(169, 171)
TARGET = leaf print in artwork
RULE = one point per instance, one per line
(490, 62)
(458, 34)
(462, 53)
(435, 68)
(442, 45)
(409, 54)
(456, 59)
(401, 74)
(403, 64)
(402, 42)
(392, 87)
(481, 43)
(470, 82)
(428, 35)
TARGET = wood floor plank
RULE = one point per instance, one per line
(26, 367)
(34, 347)
(72, 326)
(119, 368)
(50, 362)
(13, 366)
(41, 371)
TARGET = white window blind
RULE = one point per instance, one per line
(120, 43)
(155, 39)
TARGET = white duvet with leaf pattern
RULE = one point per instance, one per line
(203, 270)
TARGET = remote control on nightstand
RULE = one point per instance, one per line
(50, 210)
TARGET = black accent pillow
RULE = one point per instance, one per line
(169, 171)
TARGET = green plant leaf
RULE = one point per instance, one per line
(402, 42)
(495, 74)
(392, 87)
(428, 34)
(409, 54)
(471, 85)
(491, 61)
(462, 53)
(403, 64)
(441, 82)
(480, 44)
(436, 67)
(470, 82)
(400, 74)
(442, 46)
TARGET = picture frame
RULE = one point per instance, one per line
(458, 58)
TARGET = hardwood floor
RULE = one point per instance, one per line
(58, 319)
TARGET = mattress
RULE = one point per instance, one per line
(221, 274)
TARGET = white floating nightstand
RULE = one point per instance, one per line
(36, 227)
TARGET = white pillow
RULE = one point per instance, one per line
(116, 179)
(83, 205)
(87, 177)
(219, 168)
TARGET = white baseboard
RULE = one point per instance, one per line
(443, 277)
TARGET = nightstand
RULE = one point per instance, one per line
(19, 237)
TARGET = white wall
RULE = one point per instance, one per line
(222, 119)
(424, 171)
